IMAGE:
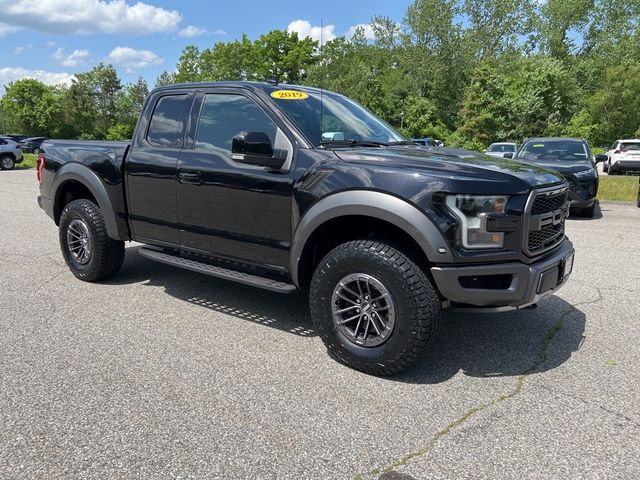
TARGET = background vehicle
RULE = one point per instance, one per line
(32, 144)
(498, 149)
(15, 137)
(10, 154)
(428, 142)
(623, 156)
(573, 159)
(238, 180)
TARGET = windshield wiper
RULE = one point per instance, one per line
(403, 142)
(352, 143)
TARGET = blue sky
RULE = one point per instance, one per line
(52, 39)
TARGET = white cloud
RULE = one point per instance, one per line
(193, 31)
(22, 48)
(304, 29)
(50, 44)
(6, 29)
(77, 57)
(368, 31)
(10, 74)
(133, 60)
(70, 17)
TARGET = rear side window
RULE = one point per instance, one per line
(167, 122)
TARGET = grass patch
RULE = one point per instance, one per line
(28, 162)
(621, 189)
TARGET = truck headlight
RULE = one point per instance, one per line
(585, 173)
(472, 212)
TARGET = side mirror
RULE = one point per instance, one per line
(508, 155)
(601, 158)
(254, 148)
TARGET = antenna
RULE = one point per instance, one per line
(321, 75)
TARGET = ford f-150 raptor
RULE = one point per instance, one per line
(288, 187)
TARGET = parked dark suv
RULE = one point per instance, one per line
(32, 144)
(572, 158)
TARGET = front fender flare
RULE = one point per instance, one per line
(370, 204)
(86, 177)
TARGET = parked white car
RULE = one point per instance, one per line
(623, 156)
(498, 149)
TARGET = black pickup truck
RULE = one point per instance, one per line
(287, 188)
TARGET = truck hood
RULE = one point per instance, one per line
(464, 167)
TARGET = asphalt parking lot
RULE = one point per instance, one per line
(163, 373)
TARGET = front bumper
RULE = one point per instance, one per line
(626, 166)
(513, 284)
(582, 193)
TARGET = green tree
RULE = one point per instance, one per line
(129, 106)
(165, 78)
(484, 112)
(188, 68)
(31, 107)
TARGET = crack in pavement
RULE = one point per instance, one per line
(605, 409)
(515, 391)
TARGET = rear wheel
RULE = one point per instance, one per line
(89, 252)
(373, 307)
(7, 162)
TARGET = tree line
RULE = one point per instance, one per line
(469, 72)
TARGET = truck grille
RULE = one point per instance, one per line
(544, 204)
(545, 215)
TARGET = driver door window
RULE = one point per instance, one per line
(224, 116)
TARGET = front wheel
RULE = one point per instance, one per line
(7, 162)
(373, 307)
(89, 252)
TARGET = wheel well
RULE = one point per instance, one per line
(354, 227)
(69, 191)
(8, 154)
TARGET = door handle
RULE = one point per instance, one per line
(190, 177)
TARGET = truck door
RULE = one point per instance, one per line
(150, 171)
(227, 209)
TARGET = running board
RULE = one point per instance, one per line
(218, 272)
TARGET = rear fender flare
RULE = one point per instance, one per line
(86, 177)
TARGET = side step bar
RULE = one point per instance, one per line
(219, 272)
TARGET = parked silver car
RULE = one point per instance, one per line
(498, 149)
(10, 153)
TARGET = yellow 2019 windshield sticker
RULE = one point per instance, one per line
(289, 95)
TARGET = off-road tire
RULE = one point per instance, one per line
(417, 303)
(7, 162)
(107, 254)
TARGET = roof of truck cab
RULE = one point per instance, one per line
(264, 86)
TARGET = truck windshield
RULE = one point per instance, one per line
(560, 150)
(335, 119)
